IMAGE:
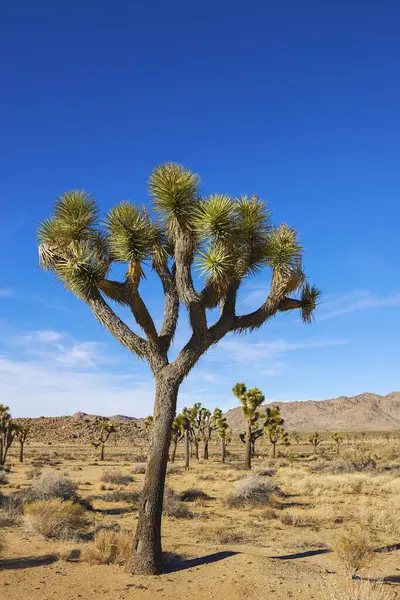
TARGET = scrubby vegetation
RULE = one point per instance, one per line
(55, 518)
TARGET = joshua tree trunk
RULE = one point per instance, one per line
(253, 448)
(102, 452)
(147, 553)
(173, 452)
(196, 449)
(247, 458)
(205, 451)
(273, 450)
(223, 451)
(21, 452)
(187, 449)
(315, 450)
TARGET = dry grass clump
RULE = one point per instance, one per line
(8, 518)
(33, 473)
(310, 517)
(108, 547)
(120, 496)
(116, 478)
(357, 590)
(173, 507)
(354, 549)
(382, 518)
(3, 477)
(139, 468)
(268, 514)
(56, 518)
(254, 490)
(264, 472)
(193, 494)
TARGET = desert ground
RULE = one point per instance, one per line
(286, 547)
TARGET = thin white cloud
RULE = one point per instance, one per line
(243, 351)
(356, 300)
(5, 292)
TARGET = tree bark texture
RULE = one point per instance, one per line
(223, 451)
(187, 448)
(146, 556)
(21, 452)
(173, 452)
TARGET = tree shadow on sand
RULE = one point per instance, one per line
(27, 562)
(178, 563)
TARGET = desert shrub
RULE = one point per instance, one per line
(108, 547)
(120, 496)
(116, 477)
(173, 507)
(3, 477)
(68, 554)
(206, 477)
(139, 468)
(228, 536)
(56, 518)
(33, 473)
(265, 472)
(53, 485)
(254, 491)
(8, 518)
(175, 470)
(269, 514)
(193, 494)
(354, 549)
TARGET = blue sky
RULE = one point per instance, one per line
(295, 101)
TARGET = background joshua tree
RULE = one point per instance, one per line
(186, 435)
(148, 425)
(228, 239)
(22, 434)
(224, 433)
(337, 438)
(250, 401)
(8, 431)
(106, 428)
(315, 440)
(273, 427)
(207, 426)
(177, 433)
(296, 437)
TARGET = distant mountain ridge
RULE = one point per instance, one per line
(365, 412)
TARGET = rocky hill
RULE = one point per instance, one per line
(81, 428)
(365, 412)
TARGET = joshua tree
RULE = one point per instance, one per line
(315, 440)
(273, 427)
(337, 438)
(177, 433)
(208, 424)
(106, 428)
(228, 239)
(8, 431)
(224, 433)
(22, 434)
(250, 400)
(148, 425)
(186, 435)
(296, 437)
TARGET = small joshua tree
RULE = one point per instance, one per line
(296, 437)
(207, 426)
(106, 428)
(187, 427)
(315, 440)
(22, 434)
(8, 431)
(224, 433)
(148, 425)
(178, 433)
(228, 239)
(250, 400)
(273, 427)
(337, 438)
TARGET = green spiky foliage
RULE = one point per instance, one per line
(177, 433)
(21, 435)
(105, 429)
(273, 428)
(8, 432)
(337, 438)
(250, 400)
(208, 424)
(296, 437)
(315, 440)
(203, 250)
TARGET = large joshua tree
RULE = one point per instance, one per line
(229, 239)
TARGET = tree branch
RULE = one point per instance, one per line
(107, 317)
(171, 305)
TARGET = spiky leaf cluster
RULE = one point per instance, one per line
(249, 399)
